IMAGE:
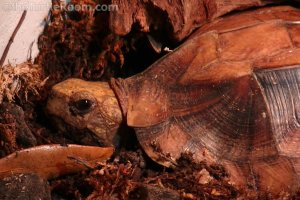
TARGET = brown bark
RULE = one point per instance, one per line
(179, 18)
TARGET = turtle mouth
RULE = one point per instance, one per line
(78, 136)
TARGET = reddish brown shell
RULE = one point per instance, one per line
(229, 94)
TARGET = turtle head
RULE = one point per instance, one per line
(85, 105)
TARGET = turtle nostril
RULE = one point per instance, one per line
(52, 95)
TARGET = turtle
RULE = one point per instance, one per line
(230, 94)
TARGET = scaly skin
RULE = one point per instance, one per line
(87, 105)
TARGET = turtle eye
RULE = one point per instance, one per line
(81, 103)
(81, 106)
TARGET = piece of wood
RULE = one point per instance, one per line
(176, 18)
(50, 161)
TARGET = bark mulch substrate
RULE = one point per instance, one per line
(78, 44)
(131, 176)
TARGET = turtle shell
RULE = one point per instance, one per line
(230, 94)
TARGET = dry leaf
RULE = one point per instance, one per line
(50, 161)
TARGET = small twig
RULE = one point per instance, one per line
(81, 162)
(29, 54)
(12, 38)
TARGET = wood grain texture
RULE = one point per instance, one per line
(50, 161)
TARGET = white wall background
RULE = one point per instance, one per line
(10, 14)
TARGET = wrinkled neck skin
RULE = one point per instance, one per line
(89, 106)
(106, 122)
